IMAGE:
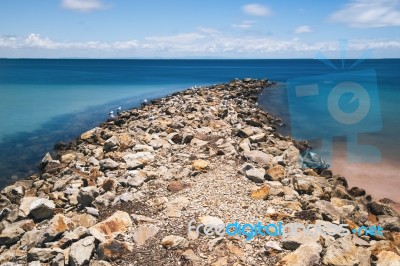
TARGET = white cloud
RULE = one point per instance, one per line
(303, 29)
(256, 10)
(369, 13)
(244, 25)
(192, 44)
(83, 5)
(207, 30)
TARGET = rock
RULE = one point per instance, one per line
(272, 248)
(41, 209)
(256, 175)
(87, 195)
(200, 165)
(174, 207)
(190, 256)
(70, 237)
(245, 132)
(89, 134)
(328, 210)
(257, 138)
(46, 159)
(142, 218)
(305, 255)
(111, 144)
(176, 186)
(261, 193)
(388, 258)
(259, 157)
(82, 251)
(313, 161)
(389, 222)
(303, 186)
(43, 254)
(138, 160)
(276, 173)
(143, 233)
(210, 220)
(245, 145)
(67, 158)
(174, 242)
(113, 249)
(84, 220)
(99, 263)
(108, 164)
(343, 252)
(92, 211)
(357, 192)
(116, 224)
(11, 234)
(58, 225)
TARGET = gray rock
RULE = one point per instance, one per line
(108, 164)
(256, 175)
(259, 157)
(143, 233)
(137, 160)
(42, 209)
(43, 254)
(82, 251)
(343, 252)
(87, 195)
(389, 222)
(111, 144)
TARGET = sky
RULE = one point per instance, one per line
(199, 29)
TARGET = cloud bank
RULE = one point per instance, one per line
(203, 42)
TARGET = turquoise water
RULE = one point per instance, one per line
(46, 101)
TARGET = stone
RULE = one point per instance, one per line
(73, 236)
(143, 233)
(174, 242)
(259, 157)
(343, 252)
(174, 207)
(11, 234)
(261, 193)
(113, 250)
(89, 134)
(328, 210)
(92, 211)
(272, 248)
(111, 144)
(210, 220)
(305, 255)
(257, 138)
(391, 223)
(276, 173)
(200, 165)
(58, 225)
(190, 256)
(116, 224)
(41, 209)
(99, 263)
(84, 220)
(81, 251)
(108, 164)
(256, 175)
(388, 258)
(142, 218)
(176, 186)
(43, 254)
(87, 195)
(245, 145)
(67, 158)
(138, 160)
(245, 132)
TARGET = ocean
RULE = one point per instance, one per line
(44, 101)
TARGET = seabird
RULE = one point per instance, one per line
(111, 114)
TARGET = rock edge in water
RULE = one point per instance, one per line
(125, 192)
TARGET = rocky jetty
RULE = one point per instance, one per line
(125, 192)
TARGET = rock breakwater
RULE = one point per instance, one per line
(124, 192)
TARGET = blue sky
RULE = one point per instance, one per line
(198, 29)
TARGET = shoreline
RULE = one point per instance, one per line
(131, 184)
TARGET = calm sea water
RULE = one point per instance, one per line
(46, 101)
